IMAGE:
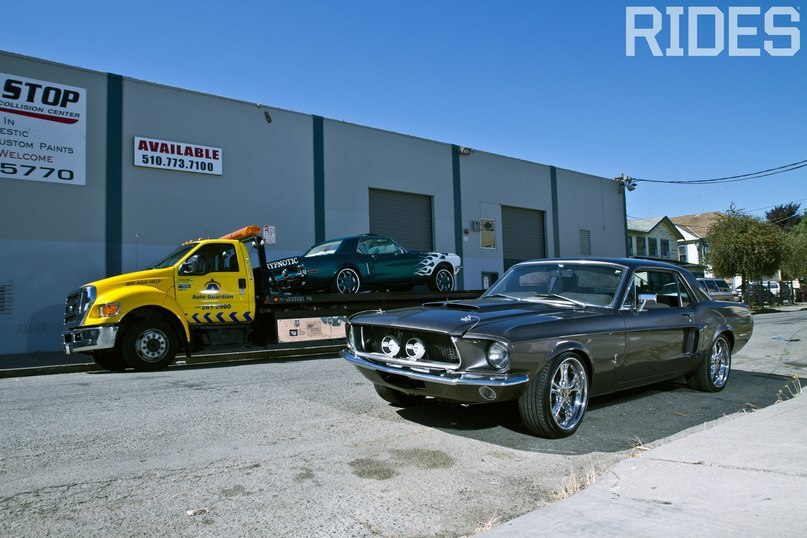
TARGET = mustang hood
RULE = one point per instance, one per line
(458, 317)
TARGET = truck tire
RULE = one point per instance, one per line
(110, 360)
(149, 345)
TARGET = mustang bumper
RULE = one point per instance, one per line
(465, 387)
(85, 339)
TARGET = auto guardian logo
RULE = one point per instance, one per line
(713, 31)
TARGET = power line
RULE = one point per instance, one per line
(728, 179)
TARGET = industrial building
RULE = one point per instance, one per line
(102, 174)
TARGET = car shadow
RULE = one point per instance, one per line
(612, 423)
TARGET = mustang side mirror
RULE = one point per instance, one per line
(646, 299)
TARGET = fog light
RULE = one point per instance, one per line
(498, 355)
(390, 346)
(415, 348)
(487, 393)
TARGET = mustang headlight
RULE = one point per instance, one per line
(498, 355)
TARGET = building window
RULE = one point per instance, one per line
(682, 253)
(665, 248)
(585, 242)
(630, 245)
(641, 246)
(652, 247)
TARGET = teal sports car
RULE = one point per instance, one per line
(364, 262)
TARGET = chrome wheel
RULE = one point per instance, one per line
(554, 403)
(443, 280)
(714, 369)
(568, 393)
(347, 281)
(720, 363)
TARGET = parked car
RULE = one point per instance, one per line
(760, 294)
(718, 289)
(551, 334)
(364, 262)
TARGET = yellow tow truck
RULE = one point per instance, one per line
(208, 294)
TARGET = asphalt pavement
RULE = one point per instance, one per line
(742, 475)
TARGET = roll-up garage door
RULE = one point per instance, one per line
(523, 235)
(405, 217)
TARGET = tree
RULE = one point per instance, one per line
(794, 262)
(786, 216)
(741, 244)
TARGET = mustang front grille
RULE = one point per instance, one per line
(406, 347)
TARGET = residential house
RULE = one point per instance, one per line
(654, 238)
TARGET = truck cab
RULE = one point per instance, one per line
(142, 319)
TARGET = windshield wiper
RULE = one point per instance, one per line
(562, 297)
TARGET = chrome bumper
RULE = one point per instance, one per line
(84, 339)
(444, 378)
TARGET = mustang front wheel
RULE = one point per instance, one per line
(713, 372)
(554, 403)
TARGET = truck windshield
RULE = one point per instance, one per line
(176, 255)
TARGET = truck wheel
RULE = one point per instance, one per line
(149, 344)
(110, 360)
(346, 281)
(396, 397)
(442, 279)
(554, 403)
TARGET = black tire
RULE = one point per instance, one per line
(110, 360)
(396, 397)
(442, 279)
(346, 281)
(149, 345)
(713, 372)
(554, 403)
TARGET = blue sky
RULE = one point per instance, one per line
(544, 81)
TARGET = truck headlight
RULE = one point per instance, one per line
(498, 355)
(108, 310)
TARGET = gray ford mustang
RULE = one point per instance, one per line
(551, 334)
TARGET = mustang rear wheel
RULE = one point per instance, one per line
(713, 372)
(554, 403)
(396, 397)
(442, 279)
(346, 281)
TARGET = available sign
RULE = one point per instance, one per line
(43, 131)
(154, 153)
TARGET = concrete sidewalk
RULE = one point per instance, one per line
(743, 475)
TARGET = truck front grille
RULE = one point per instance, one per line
(77, 305)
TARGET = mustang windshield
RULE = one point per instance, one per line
(573, 283)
